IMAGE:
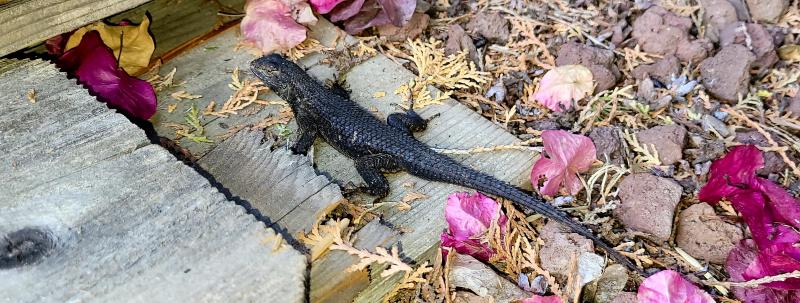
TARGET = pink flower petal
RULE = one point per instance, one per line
(569, 155)
(553, 173)
(270, 26)
(399, 12)
(471, 247)
(346, 10)
(468, 218)
(742, 258)
(737, 168)
(784, 207)
(542, 299)
(95, 66)
(669, 286)
(562, 85)
(324, 6)
(769, 211)
(370, 15)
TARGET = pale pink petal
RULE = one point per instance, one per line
(560, 86)
(324, 6)
(269, 25)
(553, 173)
(669, 286)
(576, 151)
(569, 155)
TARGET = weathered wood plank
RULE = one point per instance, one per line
(27, 22)
(282, 186)
(207, 70)
(175, 23)
(330, 279)
(457, 127)
(115, 218)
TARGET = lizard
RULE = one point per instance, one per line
(378, 148)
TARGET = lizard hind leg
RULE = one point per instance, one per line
(371, 168)
(409, 122)
(339, 87)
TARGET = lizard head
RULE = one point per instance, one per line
(277, 73)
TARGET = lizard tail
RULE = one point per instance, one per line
(542, 207)
(464, 176)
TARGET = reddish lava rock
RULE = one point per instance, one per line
(668, 140)
(794, 106)
(607, 144)
(718, 14)
(559, 246)
(664, 33)
(727, 75)
(415, 27)
(459, 41)
(757, 36)
(599, 61)
(773, 163)
(648, 204)
(767, 10)
(704, 235)
(662, 70)
(491, 26)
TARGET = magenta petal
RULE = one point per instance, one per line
(743, 258)
(471, 247)
(728, 175)
(324, 6)
(399, 12)
(346, 10)
(751, 205)
(784, 207)
(669, 286)
(542, 299)
(95, 66)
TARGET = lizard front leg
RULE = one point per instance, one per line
(371, 168)
(304, 140)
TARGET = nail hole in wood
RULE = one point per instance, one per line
(23, 247)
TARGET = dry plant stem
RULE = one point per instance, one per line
(697, 266)
(756, 282)
(522, 145)
(775, 147)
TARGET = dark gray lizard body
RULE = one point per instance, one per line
(379, 148)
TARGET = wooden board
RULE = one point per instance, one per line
(94, 212)
(417, 230)
(282, 186)
(176, 23)
(25, 23)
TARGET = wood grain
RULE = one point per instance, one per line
(109, 217)
(282, 186)
(25, 23)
